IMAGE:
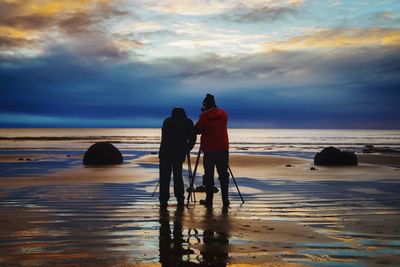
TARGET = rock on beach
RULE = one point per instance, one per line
(332, 156)
(102, 153)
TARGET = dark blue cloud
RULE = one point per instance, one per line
(344, 89)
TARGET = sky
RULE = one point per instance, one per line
(269, 63)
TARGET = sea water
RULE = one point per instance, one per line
(266, 141)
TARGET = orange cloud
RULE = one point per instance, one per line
(27, 27)
(339, 38)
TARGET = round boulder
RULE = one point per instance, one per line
(102, 153)
(332, 156)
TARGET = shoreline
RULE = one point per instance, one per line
(371, 167)
(70, 170)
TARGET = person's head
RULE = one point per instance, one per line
(178, 112)
(208, 102)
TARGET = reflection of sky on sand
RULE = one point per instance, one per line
(20, 163)
(281, 222)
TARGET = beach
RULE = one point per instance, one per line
(57, 212)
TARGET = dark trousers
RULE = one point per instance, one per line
(220, 161)
(166, 167)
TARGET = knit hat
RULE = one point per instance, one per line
(178, 112)
(209, 102)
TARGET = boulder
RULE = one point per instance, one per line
(102, 153)
(332, 156)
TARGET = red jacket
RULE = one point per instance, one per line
(212, 125)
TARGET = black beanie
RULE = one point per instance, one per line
(209, 101)
(178, 112)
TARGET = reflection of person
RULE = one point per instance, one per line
(214, 250)
(165, 237)
(212, 125)
(215, 239)
(171, 248)
(177, 139)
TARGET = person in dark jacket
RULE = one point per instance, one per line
(177, 139)
(212, 125)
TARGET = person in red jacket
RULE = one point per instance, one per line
(212, 125)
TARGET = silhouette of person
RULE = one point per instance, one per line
(212, 125)
(177, 139)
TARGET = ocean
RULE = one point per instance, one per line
(296, 142)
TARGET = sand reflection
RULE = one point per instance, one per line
(203, 245)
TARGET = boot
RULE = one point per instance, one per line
(209, 197)
(225, 193)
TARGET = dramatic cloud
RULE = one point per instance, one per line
(239, 11)
(340, 38)
(123, 63)
(344, 88)
(201, 39)
(188, 7)
(35, 25)
(246, 14)
(76, 23)
(10, 42)
(384, 18)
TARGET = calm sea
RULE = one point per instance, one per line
(274, 141)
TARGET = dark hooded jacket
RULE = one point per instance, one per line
(177, 137)
(212, 125)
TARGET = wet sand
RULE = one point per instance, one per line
(278, 167)
(293, 216)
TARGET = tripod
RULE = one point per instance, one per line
(191, 189)
(191, 178)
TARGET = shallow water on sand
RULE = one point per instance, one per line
(284, 222)
(287, 222)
